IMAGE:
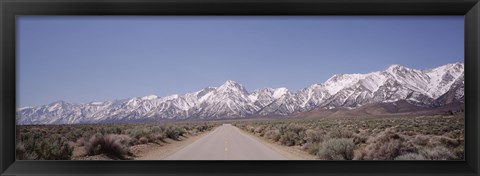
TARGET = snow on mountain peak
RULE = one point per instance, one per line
(442, 77)
(170, 97)
(231, 85)
(279, 92)
(316, 86)
(150, 97)
(394, 67)
(457, 64)
(26, 107)
(232, 100)
(340, 81)
(96, 103)
(55, 106)
(58, 103)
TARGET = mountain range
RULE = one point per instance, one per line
(395, 86)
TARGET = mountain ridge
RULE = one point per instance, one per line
(427, 88)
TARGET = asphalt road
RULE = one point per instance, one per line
(226, 143)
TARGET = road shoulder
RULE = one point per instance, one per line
(292, 153)
(161, 151)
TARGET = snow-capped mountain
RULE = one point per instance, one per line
(423, 88)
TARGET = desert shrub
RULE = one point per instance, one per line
(157, 134)
(292, 135)
(59, 150)
(313, 136)
(72, 134)
(337, 149)
(250, 129)
(288, 138)
(174, 132)
(438, 153)
(340, 133)
(410, 156)
(386, 146)
(40, 145)
(273, 135)
(56, 142)
(295, 128)
(111, 144)
(51, 149)
(159, 137)
(443, 140)
(201, 128)
(259, 130)
(20, 150)
(143, 140)
(281, 127)
(311, 148)
(459, 152)
(81, 141)
(22, 154)
(359, 139)
(421, 139)
(157, 129)
(117, 130)
(408, 133)
(138, 133)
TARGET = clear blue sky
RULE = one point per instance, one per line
(85, 59)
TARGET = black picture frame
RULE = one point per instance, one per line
(11, 8)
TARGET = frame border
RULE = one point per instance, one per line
(11, 8)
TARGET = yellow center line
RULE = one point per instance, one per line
(226, 145)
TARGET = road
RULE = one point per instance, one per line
(226, 143)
